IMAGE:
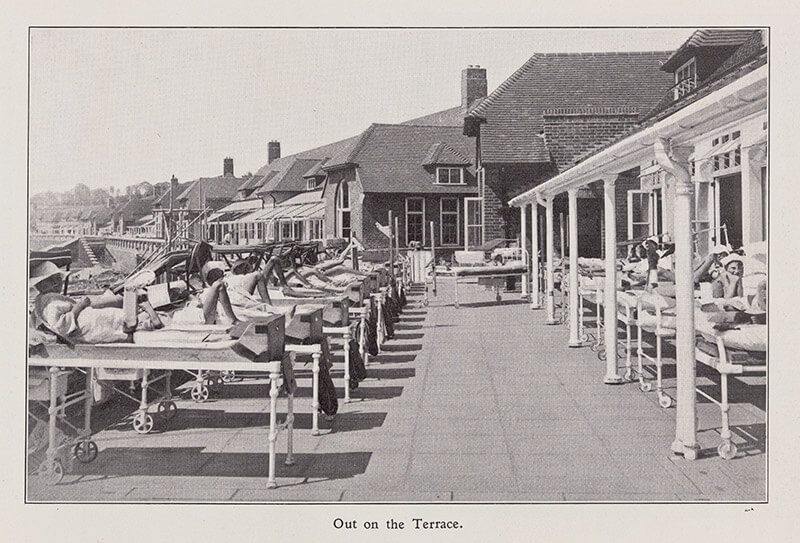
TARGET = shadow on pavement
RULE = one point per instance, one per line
(193, 461)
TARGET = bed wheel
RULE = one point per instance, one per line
(142, 423)
(726, 450)
(645, 387)
(200, 393)
(630, 375)
(85, 451)
(53, 472)
(498, 297)
(167, 410)
(665, 401)
(227, 376)
(601, 355)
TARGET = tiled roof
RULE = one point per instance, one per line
(289, 179)
(133, 209)
(700, 92)
(512, 115)
(706, 37)
(447, 117)
(391, 157)
(442, 153)
(210, 188)
(316, 170)
(751, 50)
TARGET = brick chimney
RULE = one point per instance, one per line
(473, 85)
(227, 167)
(273, 151)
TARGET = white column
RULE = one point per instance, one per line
(535, 255)
(574, 338)
(523, 221)
(550, 283)
(676, 164)
(610, 286)
(751, 198)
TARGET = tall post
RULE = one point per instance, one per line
(561, 237)
(550, 286)
(675, 162)
(610, 286)
(574, 335)
(391, 244)
(535, 304)
(523, 243)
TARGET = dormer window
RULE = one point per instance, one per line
(685, 79)
(312, 183)
(449, 176)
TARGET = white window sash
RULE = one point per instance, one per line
(422, 213)
(631, 222)
(457, 214)
(449, 170)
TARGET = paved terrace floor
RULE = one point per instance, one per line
(481, 403)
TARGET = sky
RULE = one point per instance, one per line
(115, 106)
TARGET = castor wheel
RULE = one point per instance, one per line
(200, 393)
(645, 387)
(215, 383)
(142, 423)
(601, 355)
(227, 376)
(664, 401)
(726, 450)
(167, 410)
(630, 375)
(85, 451)
(498, 297)
(52, 471)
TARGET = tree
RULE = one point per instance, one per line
(82, 194)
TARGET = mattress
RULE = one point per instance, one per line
(510, 268)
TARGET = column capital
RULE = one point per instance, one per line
(573, 192)
(609, 181)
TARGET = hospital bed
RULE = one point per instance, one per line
(259, 348)
(739, 351)
(492, 274)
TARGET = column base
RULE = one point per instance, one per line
(535, 306)
(689, 452)
(551, 322)
(576, 344)
(613, 380)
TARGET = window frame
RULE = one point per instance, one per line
(341, 210)
(631, 222)
(457, 214)
(679, 91)
(449, 169)
(422, 213)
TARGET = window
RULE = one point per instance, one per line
(298, 230)
(312, 183)
(685, 79)
(450, 176)
(286, 230)
(315, 229)
(727, 159)
(343, 211)
(260, 230)
(638, 214)
(415, 220)
(449, 209)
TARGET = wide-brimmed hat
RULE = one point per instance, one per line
(720, 249)
(45, 270)
(654, 239)
(733, 257)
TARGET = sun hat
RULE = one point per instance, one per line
(719, 249)
(45, 270)
(654, 239)
(733, 257)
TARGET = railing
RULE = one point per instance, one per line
(143, 246)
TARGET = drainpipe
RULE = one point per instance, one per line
(610, 286)
(535, 304)
(574, 339)
(523, 222)
(675, 162)
(548, 207)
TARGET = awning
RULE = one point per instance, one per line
(314, 210)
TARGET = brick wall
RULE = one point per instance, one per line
(503, 182)
(571, 133)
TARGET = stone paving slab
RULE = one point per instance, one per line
(484, 403)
